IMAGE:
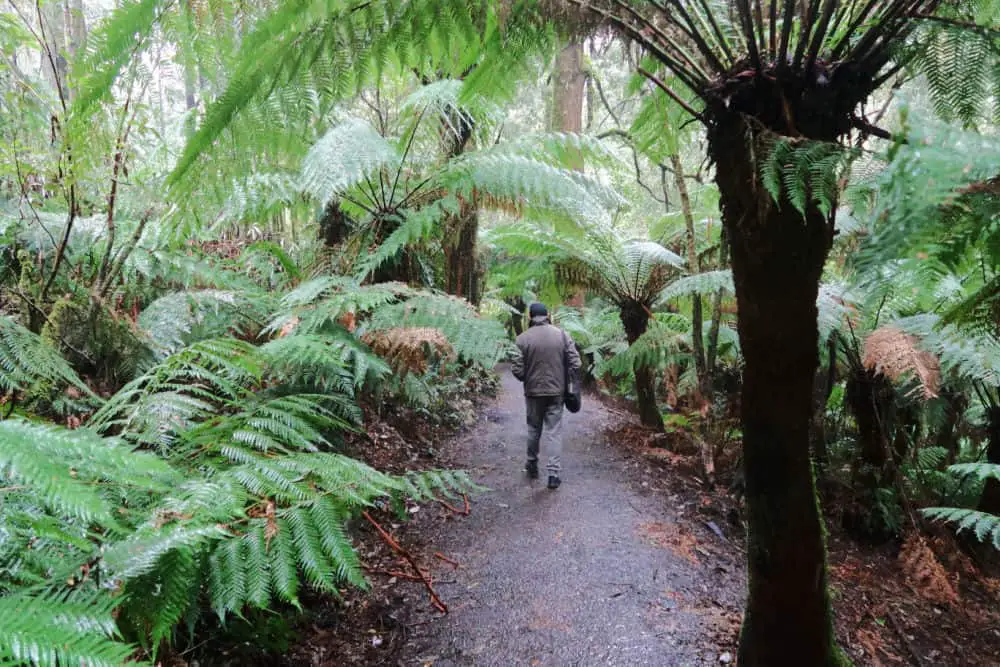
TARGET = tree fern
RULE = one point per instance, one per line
(805, 172)
(52, 629)
(709, 282)
(985, 526)
(26, 360)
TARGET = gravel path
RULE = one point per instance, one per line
(598, 572)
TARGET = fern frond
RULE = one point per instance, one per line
(52, 629)
(985, 526)
(709, 282)
(27, 359)
(343, 158)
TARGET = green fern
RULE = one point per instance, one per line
(805, 172)
(53, 629)
(26, 359)
(709, 282)
(985, 526)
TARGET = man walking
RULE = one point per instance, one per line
(543, 353)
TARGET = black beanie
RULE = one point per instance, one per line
(537, 310)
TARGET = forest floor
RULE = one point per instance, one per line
(632, 561)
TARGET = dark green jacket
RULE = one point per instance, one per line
(539, 362)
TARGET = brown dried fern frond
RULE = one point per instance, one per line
(895, 354)
(925, 573)
(410, 349)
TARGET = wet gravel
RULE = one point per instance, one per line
(577, 576)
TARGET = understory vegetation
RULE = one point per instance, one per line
(232, 233)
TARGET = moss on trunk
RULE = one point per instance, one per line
(777, 257)
(635, 319)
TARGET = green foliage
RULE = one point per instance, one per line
(595, 256)
(985, 526)
(959, 60)
(27, 359)
(704, 284)
(62, 628)
(805, 172)
(243, 498)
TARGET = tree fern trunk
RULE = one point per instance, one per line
(635, 319)
(462, 268)
(990, 500)
(777, 258)
(461, 253)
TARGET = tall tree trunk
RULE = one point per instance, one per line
(569, 84)
(948, 436)
(461, 255)
(697, 320)
(869, 397)
(635, 319)
(517, 319)
(990, 500)
(778, 256)
(461, 251)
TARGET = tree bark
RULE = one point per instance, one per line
(462, 270)
(949, 437)
(990, 500)
(635, 319)
(869, 396)
(569, 84)
(777, 257)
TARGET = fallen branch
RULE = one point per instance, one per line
(438, 554)
(464, 512)
(424, 578)
(392, 573)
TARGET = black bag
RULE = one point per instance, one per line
(571, 396)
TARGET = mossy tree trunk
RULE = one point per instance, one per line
(461, 251)
(569, 85)
(777, 259)
(990, 500)
(635, 319)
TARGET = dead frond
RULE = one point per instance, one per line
(891, 352)
(410, 349)
(925, 573)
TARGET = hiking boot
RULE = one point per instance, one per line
(531, 467)
(554, 482)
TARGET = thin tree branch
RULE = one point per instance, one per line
(406, 154)
(805, 30)
(22, 182)
(125, 252)
(845, 41)
(758, 17)
(689, 78)
(720, 36)
(695, 34)
(627, 139)
(773, 21)
(868, 128)
(746, 21)
(819, 36)
(786, 33)
(673, 95)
